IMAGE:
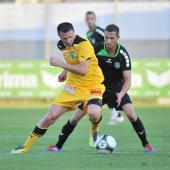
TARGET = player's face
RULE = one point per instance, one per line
(67, 38)
(91, 20)
(111, 39)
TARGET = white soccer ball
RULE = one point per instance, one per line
(106, 144)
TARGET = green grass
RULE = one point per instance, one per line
(16, 124)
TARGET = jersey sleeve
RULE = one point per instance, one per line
(125, 60)
(86, 51)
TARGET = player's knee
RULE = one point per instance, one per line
(94, 116)
(94, 111)
(128, 109)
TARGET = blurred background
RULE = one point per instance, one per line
(28, 38)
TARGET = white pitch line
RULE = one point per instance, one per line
(54, 137)
(7, 154)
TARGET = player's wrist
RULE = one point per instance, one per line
(121, 93)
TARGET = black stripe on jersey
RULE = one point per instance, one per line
(100, 31)
(77, 40)
(126, 56)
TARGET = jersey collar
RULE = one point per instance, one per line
(90, 32)
(112, 55)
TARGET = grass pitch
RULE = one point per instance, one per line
(16, 124)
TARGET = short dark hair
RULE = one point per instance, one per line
(65, 27)
(90, 13)
(112, 28)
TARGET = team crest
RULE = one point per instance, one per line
(117, 65)
(72, 55)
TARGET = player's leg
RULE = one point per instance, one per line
(114, 113)
(138, 126)
(94, 108)
(54, 112)
(116, 116)
(94, 112)
(67, 129)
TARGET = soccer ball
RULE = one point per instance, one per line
(106, 144)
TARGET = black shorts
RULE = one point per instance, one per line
(109, 98)
(95, 101)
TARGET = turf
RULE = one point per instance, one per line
(16, 124)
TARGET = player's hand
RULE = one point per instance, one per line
(119, 98)
(62, 77)
(54, 61)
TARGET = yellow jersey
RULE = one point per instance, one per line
(80, 51)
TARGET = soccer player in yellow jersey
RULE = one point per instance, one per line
(82, 88)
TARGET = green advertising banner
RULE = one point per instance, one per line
(38, 80)
(150, 78)
(28, 79)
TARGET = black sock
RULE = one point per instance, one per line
(65, 132)
(39, 132)
(140, 130)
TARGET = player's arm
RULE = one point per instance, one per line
(126, 85)
(62, 76)
(126, 70)
(80, 68)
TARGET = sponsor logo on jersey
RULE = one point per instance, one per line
(96, 92)
(109, 60)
